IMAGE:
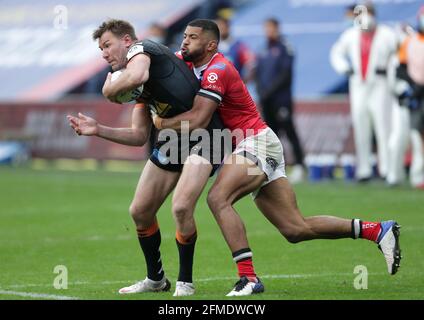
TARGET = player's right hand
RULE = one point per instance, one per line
(157, 121)
(83, 125)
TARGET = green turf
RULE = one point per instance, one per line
(80, 219)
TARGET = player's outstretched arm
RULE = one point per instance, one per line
(136, 135)
(198, 117)
(83, 125)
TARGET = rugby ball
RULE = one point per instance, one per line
(130, 96)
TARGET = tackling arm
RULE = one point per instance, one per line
(198, 117)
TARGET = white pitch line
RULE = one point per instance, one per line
(36, 295)
(287, 276)
(269, 276)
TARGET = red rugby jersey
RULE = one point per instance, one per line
(220, 81)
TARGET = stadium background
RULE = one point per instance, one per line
(64, 198)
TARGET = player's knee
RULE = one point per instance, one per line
(181, 208)
(216, 200)
(138, 212)
(293, 235)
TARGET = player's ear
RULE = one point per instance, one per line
(127, 40)
(212, 45)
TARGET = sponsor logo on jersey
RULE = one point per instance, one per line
(212, 77)
(160, 108)
(214, 87)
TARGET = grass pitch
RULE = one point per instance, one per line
(80, 220)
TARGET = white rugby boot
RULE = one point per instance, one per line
(388, 243)
(147, 285)
(183, 289)
(246, 287)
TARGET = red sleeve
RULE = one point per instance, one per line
(214, 82)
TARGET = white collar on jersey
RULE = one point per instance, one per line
(199, 70)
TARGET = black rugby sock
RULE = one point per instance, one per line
(150, 246)
(186, 253)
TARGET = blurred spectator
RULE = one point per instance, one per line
(349, 16)
(363, 52)
(274, 77)
(234, 50)
(400, 130)
(410, 73)
(349, 20)
(210, 9)
(94, 85)
(157, 33)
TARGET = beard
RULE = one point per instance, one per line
(190, 56)
(186, 56)
(119, 64)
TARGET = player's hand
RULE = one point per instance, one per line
(83, 125)
(157, 121)
(107, 89)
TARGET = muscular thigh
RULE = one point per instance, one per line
(277, 202)
(196, 172)
(154, 185)
(238, 177)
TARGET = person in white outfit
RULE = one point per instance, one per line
(363, 52)
(409, 87)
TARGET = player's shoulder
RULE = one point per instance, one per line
(150, 47)
(219, 64)
(146, 47)
(135, 49)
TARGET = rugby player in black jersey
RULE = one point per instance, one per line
(169, 89)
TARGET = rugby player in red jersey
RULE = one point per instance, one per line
(256, 165)
(169, 89)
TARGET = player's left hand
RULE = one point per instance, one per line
(83, 125)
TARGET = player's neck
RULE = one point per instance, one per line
(205, 60)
